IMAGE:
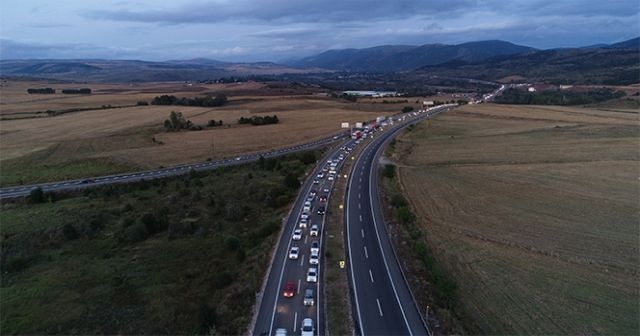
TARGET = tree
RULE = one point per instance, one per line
(407, 109)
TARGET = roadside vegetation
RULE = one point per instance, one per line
(182, 255)
(432, 286)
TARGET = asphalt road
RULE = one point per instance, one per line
(24, 190)
(276, 311)
(382, 300)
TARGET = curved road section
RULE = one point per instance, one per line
(382, 300)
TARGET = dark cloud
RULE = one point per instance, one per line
(286, 11)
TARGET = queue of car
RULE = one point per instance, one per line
(315, 202)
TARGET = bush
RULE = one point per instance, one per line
(407, 109)
(398, 201)
(136, 233)
(142, 103)
(291, 182)
(404, 215)
(36, 195)
(389, 171)
(69, 232)
(232, 243)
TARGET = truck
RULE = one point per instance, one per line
(356, 135)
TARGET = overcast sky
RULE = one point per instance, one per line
(272, 30)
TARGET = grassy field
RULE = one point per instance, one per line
(132, 137)
(534, 212)
(184, 255)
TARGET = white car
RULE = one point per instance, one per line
(297, 234)
(307, 327)
(312, 274)
(331, 178)
(295, 251)
(304, 215)
(315, 246)
(281, 332)
(314, 230)
(314, 258)
(320, 175)
(303, 223)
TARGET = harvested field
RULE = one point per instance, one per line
(132, 137)
(534, 211)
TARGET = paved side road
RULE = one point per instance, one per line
(24, 190)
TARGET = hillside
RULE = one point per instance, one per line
(128, 71)
(401, 57)
(612, 66)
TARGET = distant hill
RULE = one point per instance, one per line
(402, 57)
(628, 44)
(612, 65)
(136, 71)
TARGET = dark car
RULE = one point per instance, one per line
(321, 210)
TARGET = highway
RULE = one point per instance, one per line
(382, 300)
(24, 190)
(275, 311)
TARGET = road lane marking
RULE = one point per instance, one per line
(359, 205)
(379, 307)
(299, 286)
(360, 196)
(361, 218)
(295, 321)
(362, 232)
(371, 275)
(302, 260)
(366, 254)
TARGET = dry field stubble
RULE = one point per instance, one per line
(119, 139)
(534, 211)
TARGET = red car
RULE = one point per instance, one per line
(289, 289)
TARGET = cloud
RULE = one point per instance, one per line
(284, 11)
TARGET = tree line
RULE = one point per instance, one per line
(77, 91)
(551, 97)
(208, 101)
(41, 91)
(258, 120)
(49, 90)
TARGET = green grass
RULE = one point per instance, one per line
(95, 263)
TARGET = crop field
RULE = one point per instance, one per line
(534, 212)
(36, 147)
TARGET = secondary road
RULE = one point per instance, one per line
(382, 300)
(24, 190)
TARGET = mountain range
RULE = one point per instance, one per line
(402, 58)
(489, 60)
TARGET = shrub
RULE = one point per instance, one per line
(69, 232)
(389, 171)
(291, 182)
(398, 201)
(36, 195)
(404, 215)
(136, 233)
(232, 243)
(407, 109)
(142, 103)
